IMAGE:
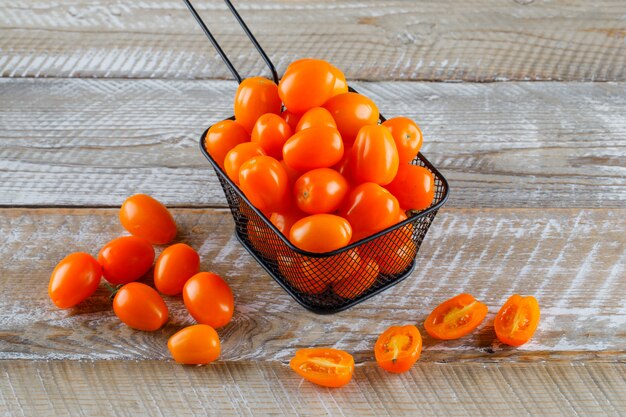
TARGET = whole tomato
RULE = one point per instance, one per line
(359, 281)
(352, 111)
(292, 119)
(407, 135)
(209, 299)
(374, 156)
(317, 116)
(320, 191)
(195, 345)
(237, 156)
(370, 208)
(271, 132)
(394, 257)
(283, 220)
(341, 85)
(174, 266)
(264, 182)
(292, 174)
(140, 307)
(222, 137)
(321, 233)
(316, 147)
(264, 240)
(414, 187)
(306, 83)
(146, 217)
(254, 97)
(126, 259)
(75, 278)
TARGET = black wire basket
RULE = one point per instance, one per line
(333, 281)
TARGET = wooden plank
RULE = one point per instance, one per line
(482, 40)
(272, 389)
(572, 260)
(94, 142)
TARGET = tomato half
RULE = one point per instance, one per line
(324, 366)
(271, 132)
(456, 317)
(407, 136)
(209, 299)
(195, 345)
(264, 182)
(237, 156)
(306, 83)
(352, 111)
(140, 307)
(174, 266)
(222, 137)
(255, 96)
(359, 281)
(316, 147)
(398, 348)
(320, 191)
(146, 217)
(126, 259)
(317, 116)
(321, 233)
(75, 278)
(413, 186)
(374, 155)
(517, 320)
(370, 208)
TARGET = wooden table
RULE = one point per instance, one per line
(102, 99)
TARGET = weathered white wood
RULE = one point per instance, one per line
(252, 389)
(437, 40)
(572, 260)
(94, 142)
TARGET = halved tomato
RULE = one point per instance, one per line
(324, 366)
(456, 317)
(398, 348)
(517, 320)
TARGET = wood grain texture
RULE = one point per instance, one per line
(481, 40)
(245, 388)
(94, 142)
(572, 260)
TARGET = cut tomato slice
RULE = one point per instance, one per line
(455, 317)
(398, 348)
(324, 366)
(517, 320)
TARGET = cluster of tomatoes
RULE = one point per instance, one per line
(126, 259)
(399, 347)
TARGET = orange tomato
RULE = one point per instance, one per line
(292, 119)
(317, 116)
(174, 266)
(306, 83)
(209, 299)
(271, 132)
(294, 269)
(285, 219)
(374, 155)
(359, 281)
(126, 259)
(321, 233)
(324, 366)
(407, 136)
(413, 186)
(195, 345)
(264, 182)
(222, 137)
(398, 348)
(75, 278)
(341, 85)
(352, 111)
(456, 317)
(254, 97)
(517, 320)
(316, 147)
(140, 307)
(292, 174)
(394, 257)
(146, 217)
(237, 156)
(320, 191)
(370, 208)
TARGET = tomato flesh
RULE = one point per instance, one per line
(456, 317)
(398, 348)
(517, 320)
(324, 366)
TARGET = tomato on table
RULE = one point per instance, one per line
(236, 157)
(222, 137)
(407, 136)
(517, 320)
(209, 299)
(74, 279)
(315, 147)
(195, 345)
(146, 217)
(255, 96)
(370, 208)
(126, 259)
(140, 307)
(352, 111)
(271, 132)
(321, 233)
(413, 186)
(320, 191)
(315, 117)
(374, 155)
(307, 83)
(398, 348)
(456, 317)
(174, 266)
(264, 182)
(359, 281)
(324, 366)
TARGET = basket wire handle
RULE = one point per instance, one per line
(219, 49)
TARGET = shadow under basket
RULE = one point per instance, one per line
(333, 281)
